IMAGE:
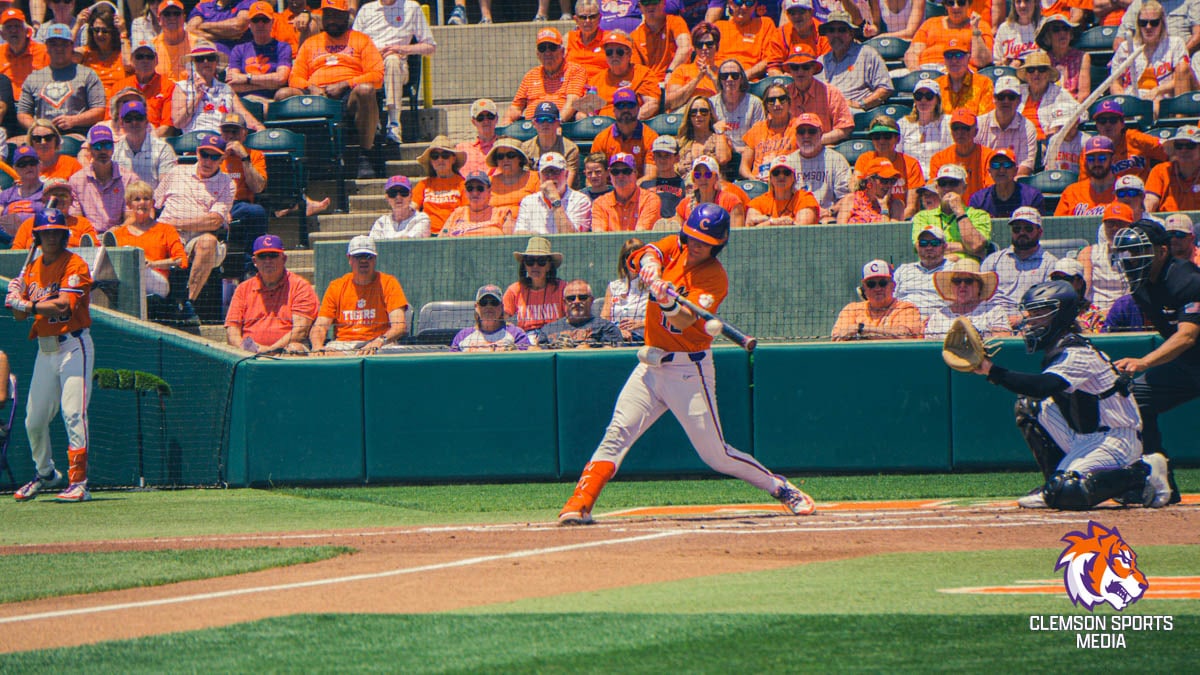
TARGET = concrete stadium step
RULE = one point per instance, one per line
(213, 333)
(348, 223)
(409, 151)
(319, 237)
(369, 201)
(405, 167)
(300, 257)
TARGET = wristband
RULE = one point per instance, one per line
(672, 310)
(963, 216)
(33, 307)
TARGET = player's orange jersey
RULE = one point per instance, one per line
(79, 226)
(704, 283)
(361, 312)
(69, 276)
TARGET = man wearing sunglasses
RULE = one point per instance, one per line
(273, 310)
(628, 134)
(968, 28)
(1005, 195)
(879, 316)
(627, 207)
(490, 332)
(1175, 185)
(914, 280)
(1182, 232)
(174, 42)
(99, 186)
(967, 228)
(750, 39)
(157, 89)
(965, 152)
(1022, 265)
(365, 308)
(260, 67)
(484, 115)
(555, 208)
(820, 169)
(578, 327)
(624, 73)
(662, 42)
(1134, 152)
(810, 95)
(1005, 128)
(962, 88)
(68, 94)
(555, 81)
(1088, 196)
(854, 69)
(225, 23)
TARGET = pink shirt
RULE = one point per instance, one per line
(266, 315)
(477, 152)
(182, 195)
(103, 203)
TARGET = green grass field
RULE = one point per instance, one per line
(881, 613)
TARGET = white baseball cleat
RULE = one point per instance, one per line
(75, 492)
(1158, 480)
(799, 503)
(579, 517)
(1034, 500)
(31, 489)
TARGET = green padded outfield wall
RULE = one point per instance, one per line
(127, 264)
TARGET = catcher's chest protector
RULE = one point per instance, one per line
(1081, 409)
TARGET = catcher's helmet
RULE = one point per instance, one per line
(1048, 311)
(708, 223)
(49, 220)
(1132, 251)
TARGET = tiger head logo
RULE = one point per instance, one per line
(1098, 567)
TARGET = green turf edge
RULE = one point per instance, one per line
(45, 575)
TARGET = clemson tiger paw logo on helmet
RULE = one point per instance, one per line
(1099, 567)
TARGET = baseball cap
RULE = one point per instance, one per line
(1190, 133)
(955, 46)
(802, 53)
(1180, 222)
(550, 35)
(1156, 234)
(624, 95)
(12, 14)
(361, 244)
(1118, 211)
(58, 31)
(930, 187)
(170, 3)
(1110, 106)
(884, 127)
(481, 106)
(233, 120)
(876, 268)
(546, 109)
(953, 172)
(782, 160)
(397, 182)
(928, 85)
(1003, 153)
(934, 231)
(56, 183)
(882, 168)
(99, 134)
(268, 243)
(1009, 84)
(618, 37)
(261, 8)
(202, 47)
(335, 5)
(212, 142)
(478, 177)
(1068, 266)
(665, 143)
(707, 161)
(552, 160)
(808, 120)
(963, 116)
(1098, 144)
(1130, 182)
(144, 44)
(134, 106)
(797, 4)
(623, 158)
(1026, 214)
(489, 290)
(22, 152)
(838, 15)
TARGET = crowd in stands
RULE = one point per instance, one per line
(786, 113)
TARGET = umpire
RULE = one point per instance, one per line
(1167, 290)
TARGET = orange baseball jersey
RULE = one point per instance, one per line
(324, 60)
(438, 197)
(911, 175)
(17, 68)
(791, 207)
(535, 87)
(1135, 154)
(1079, 199)
(1177, 194)
(69, 276)
(936, 34)
(590, 55)
(704, 283)
(656, 49)
(79, 226)
(639, 212)
(639, 79)
(158, 92)
(233, 166)
(160, 242)
(361, 312)
(638, 144)
(758, 42)
(978, 176)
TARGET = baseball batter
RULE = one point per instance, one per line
(676, 369)
(54, 289)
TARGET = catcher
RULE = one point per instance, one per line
(1077, 416)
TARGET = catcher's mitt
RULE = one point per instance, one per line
(964, 349)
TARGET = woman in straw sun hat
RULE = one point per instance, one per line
(536, 297)
(441, 191)
(968, 293)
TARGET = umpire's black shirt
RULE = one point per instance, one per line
(1173, 297)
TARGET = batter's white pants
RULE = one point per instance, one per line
(687, 389)
(1112, 449)
(395, 76)
(62, 380)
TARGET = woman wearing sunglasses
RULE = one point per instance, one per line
(968, 294)
(771, 137)
(513, 181)
(698, 78)
(201, 100)
(478, 217)
(873, 201)
(490, 333)
(698, 136)
(735, 108)
(926, 130)
(708, 188)
(536, 297)
(785, 203)
(884, 133)
(1054, 37)
(1046, 104)
(1161, 69)
(45, 139)
(441, 191)
(105, 52)
(404, 221)
(968, 28)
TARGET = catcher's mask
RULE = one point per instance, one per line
(1132, 251)
(1048, 310)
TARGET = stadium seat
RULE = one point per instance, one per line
(1064, 248)
(760, 88)
(6, 181)
(255, 108)
(438, 322)
(994, 73)
(905, 83)
(319, 120)
(71, 146)
(665, 125)
(286, 180)
(586, 129)
(933, 9)
(891, 49)
(1051, 182)
(853, 149)
(184, 146)
(1187, 106)
(9, 149)
(522, 130)
(1161, 133)
(862, 120)
(753, 188)
(1098, 42)
(1139, 113)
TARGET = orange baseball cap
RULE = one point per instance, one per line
(802, 53)
(550, 35)
(12, 14)
(1118, 211)
(809, 120)
(170, 3)
(335, 5)
(262, 9)
(1004, 152)
(882, 168)
(963, 116)
(617, 37)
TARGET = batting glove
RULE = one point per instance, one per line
(18, 304)
(660, 290)
(17, 286)
(650, 271)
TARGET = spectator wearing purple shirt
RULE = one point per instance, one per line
(260, 67)
(1124, 316)
(695, 11)
(99, 186)
(224, 22)
(1005, 195)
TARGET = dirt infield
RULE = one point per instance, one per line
(431, 569)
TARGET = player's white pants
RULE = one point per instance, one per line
(60, 380)
(395, 76)
(1112, 449)
(688, 390)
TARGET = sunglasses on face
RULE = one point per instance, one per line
(886, 181)
(1002, 165)
(959, 128)
(962, 281)
(957, 3)
(26, 163)
(260, 19)
(625, 105)
(1008, 97)
(1184, 147)
(617, 171)
(703, 112)
(781, 173)
(398, 192)
(702, 173)
(948, 182)
(588, 17)
(545, 120)
(617, 53)
(1026, 228)
(1179, 235)
(1037, 70)
(171, 13)
(1108, 119)
(475, 187)
(884, 137)
(485, 117)
(1128, 194)
(507, 155)
(807, 131)
(877, 283)
(435, 155)
(929, 243)
(837, 30)
(540, 261)
(924, 96)
(102, 146)
(142, 56)
(211, 156)
(547, 47)
(1148, 23)
(707, 44)
(42, 139)
(363, 256)
(266, 256)
(210, 58)
(744, 3)
(772, 100)
(730, 76)
(1097, 158)
(1059, 28)
(577, 298)
(136, 117)
(100, 30)
(954, 56)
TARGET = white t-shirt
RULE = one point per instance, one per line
(1160, 65)
(394, 24)
(415, 226)
(827, 176)
(738, 121)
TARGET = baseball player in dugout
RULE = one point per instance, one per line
(53, 289)
(676, 368)
(1078, 415)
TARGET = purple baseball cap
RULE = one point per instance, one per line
(478, 177)
(1111, 106)
(24, 152)
(623, 158)
(212, 142)
(133, 106)
(268, 243)
(625, 95)
(398, 182)
(1098, 144)
(99, 134)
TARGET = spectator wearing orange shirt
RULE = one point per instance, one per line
(365, 307)
(174, 43)
(873, 201)
(880, 316)
(344, 64)
(295, 24)
(512, 179)
(961, 24)
(1135, 152)
(769, 138)
(627, 134)
(810, 95)
(585, 44)
(627, 207)
(484, 115)
(441, 191)
(106, 51)
(785, 203)
(623, 73)
(478, 217)
(156, 89)
(1088, 196)
(962, 88)
(1175, 185)
(80, 226)
(159, 241)
(662, 42)
(556, 80)
(45, 138)
(698, 78)
(274, 310)
(965, 152)
(750, 39)
(801, 28)
(884, 133)
(708, 188)
(19, 55)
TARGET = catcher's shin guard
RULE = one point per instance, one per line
(77, 458)
(1072, 491)
(1046, 452)
(595, 476)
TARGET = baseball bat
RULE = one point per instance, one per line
(1056, 140)
(728, 330)
(33, 247)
